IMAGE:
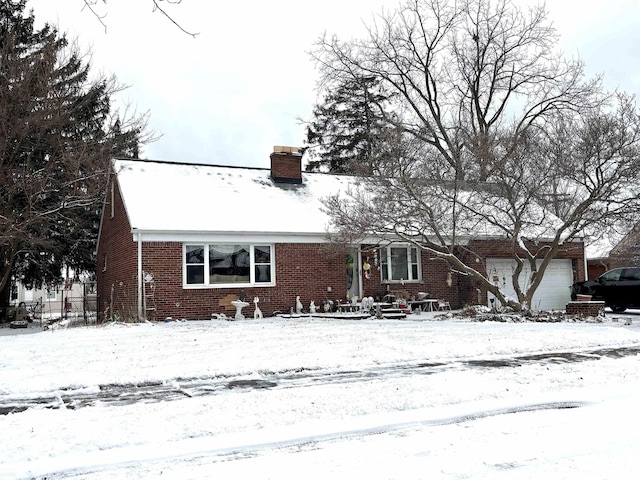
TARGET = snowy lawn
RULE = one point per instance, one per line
(425, 397)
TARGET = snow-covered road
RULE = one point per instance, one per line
(292, 398)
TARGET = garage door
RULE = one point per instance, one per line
(554, 291)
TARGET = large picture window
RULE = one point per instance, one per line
(400, 263)
(228, 264)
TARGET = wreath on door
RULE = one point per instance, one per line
(366, 268)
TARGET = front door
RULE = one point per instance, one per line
(353, 274)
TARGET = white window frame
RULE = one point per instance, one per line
(385, 260)
(206, 281)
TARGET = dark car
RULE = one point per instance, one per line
(618, 288)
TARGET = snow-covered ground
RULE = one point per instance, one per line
(425, 397)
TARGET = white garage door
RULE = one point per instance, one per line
(554, 291)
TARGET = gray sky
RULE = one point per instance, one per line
(230, 94)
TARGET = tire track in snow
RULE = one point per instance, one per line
(180, 388)
(236, 447)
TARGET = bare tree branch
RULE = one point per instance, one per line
(90, 4)
(156, 6)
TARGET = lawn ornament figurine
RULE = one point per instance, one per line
(366, 269)
(298, 305)
(328, 306)
(312, 307)
(257, 313)
(366, 305)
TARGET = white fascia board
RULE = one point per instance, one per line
(228, 237)
(253, 237)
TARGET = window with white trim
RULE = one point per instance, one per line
(400, 263)
(228, 264)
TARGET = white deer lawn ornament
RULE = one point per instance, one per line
(257, 313)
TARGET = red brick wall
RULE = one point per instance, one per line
(309, 270)
(286, 166)
(595, 269)
(585, 309)
(117, 285)
(301, 269)
(434, 280)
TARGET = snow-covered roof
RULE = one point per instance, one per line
(599, 247)
(607, 241)
(180, 199)
(173, 197)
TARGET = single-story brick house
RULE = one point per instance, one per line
(179, 240)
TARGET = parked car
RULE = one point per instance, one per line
(618, 288)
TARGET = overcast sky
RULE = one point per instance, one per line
(241, 85)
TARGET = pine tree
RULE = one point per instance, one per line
(348, 126)
(57, 135)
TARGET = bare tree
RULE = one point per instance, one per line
(496, 134)
(472, 75)
(101, 14)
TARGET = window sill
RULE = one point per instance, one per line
(197, 286)
(400, 282)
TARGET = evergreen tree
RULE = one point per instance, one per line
(57, 135)
(348, 126)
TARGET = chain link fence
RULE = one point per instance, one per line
(77, 305)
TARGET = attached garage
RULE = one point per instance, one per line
(554, 291)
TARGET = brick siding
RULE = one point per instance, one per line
(286, 167)
(301, 269)
(585, 309)
(117, 285)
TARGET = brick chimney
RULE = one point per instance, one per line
(286, 165)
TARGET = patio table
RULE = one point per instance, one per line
(426, 305)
